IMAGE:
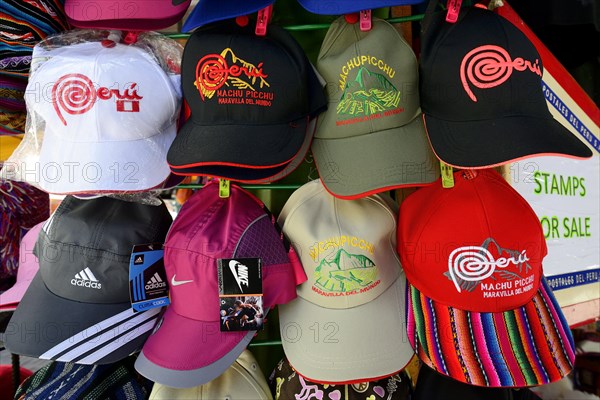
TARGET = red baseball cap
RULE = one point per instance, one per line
(480, 310)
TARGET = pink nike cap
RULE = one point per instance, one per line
(28, 267)
(188, 348)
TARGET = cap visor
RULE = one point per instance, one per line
(263, 175)
(13, 295)
(184, 353)
(362, 165)
(346, 7)
(348, 345)
(484, 144)
(109, 167)
(50, 327)
(261, 146)
(138, 14)
(529, 346)
(211, 11)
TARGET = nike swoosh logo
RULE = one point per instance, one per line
(177, 283)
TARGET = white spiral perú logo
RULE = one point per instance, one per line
(476, 263)
(73, 94)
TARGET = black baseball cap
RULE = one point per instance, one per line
(431, 385)
(77, 307)
(250, 98)
(481, 93)
(263, 175)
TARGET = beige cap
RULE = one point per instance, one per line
(348, 322)
(242, 381)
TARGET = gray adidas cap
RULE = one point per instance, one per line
(371, 138)
(77, 307)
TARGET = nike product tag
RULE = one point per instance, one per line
(240, 294)
(148, 283)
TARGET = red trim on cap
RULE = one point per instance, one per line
(352, 382)
(371, 192)
(230, 164)
(246, 181)
(512, 160)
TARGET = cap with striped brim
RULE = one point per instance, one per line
(528, 346)
(479, 308)
(77, 307)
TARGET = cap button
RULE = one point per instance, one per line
(351, 18)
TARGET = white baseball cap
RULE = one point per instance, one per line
(348, 322)
(243, 380)
(110, 116)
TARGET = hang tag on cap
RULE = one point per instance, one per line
(447, 173)
(148, 286)
(240, 294)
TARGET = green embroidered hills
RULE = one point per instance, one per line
(345, 272)
(357, 100)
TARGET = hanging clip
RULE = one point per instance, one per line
(224, 188)
(264, 16)
(453, 7)
(130, 38)
(447, 175)
(365, 20)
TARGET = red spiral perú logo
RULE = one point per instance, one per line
(211, 73)
(489, 66)
(73, 94)
(485, 67)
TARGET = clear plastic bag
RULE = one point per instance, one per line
(101, 114)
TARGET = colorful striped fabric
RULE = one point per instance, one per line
(21, 207)
(528, 346)
(12, 123)
(23, 23)
(12, 93)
